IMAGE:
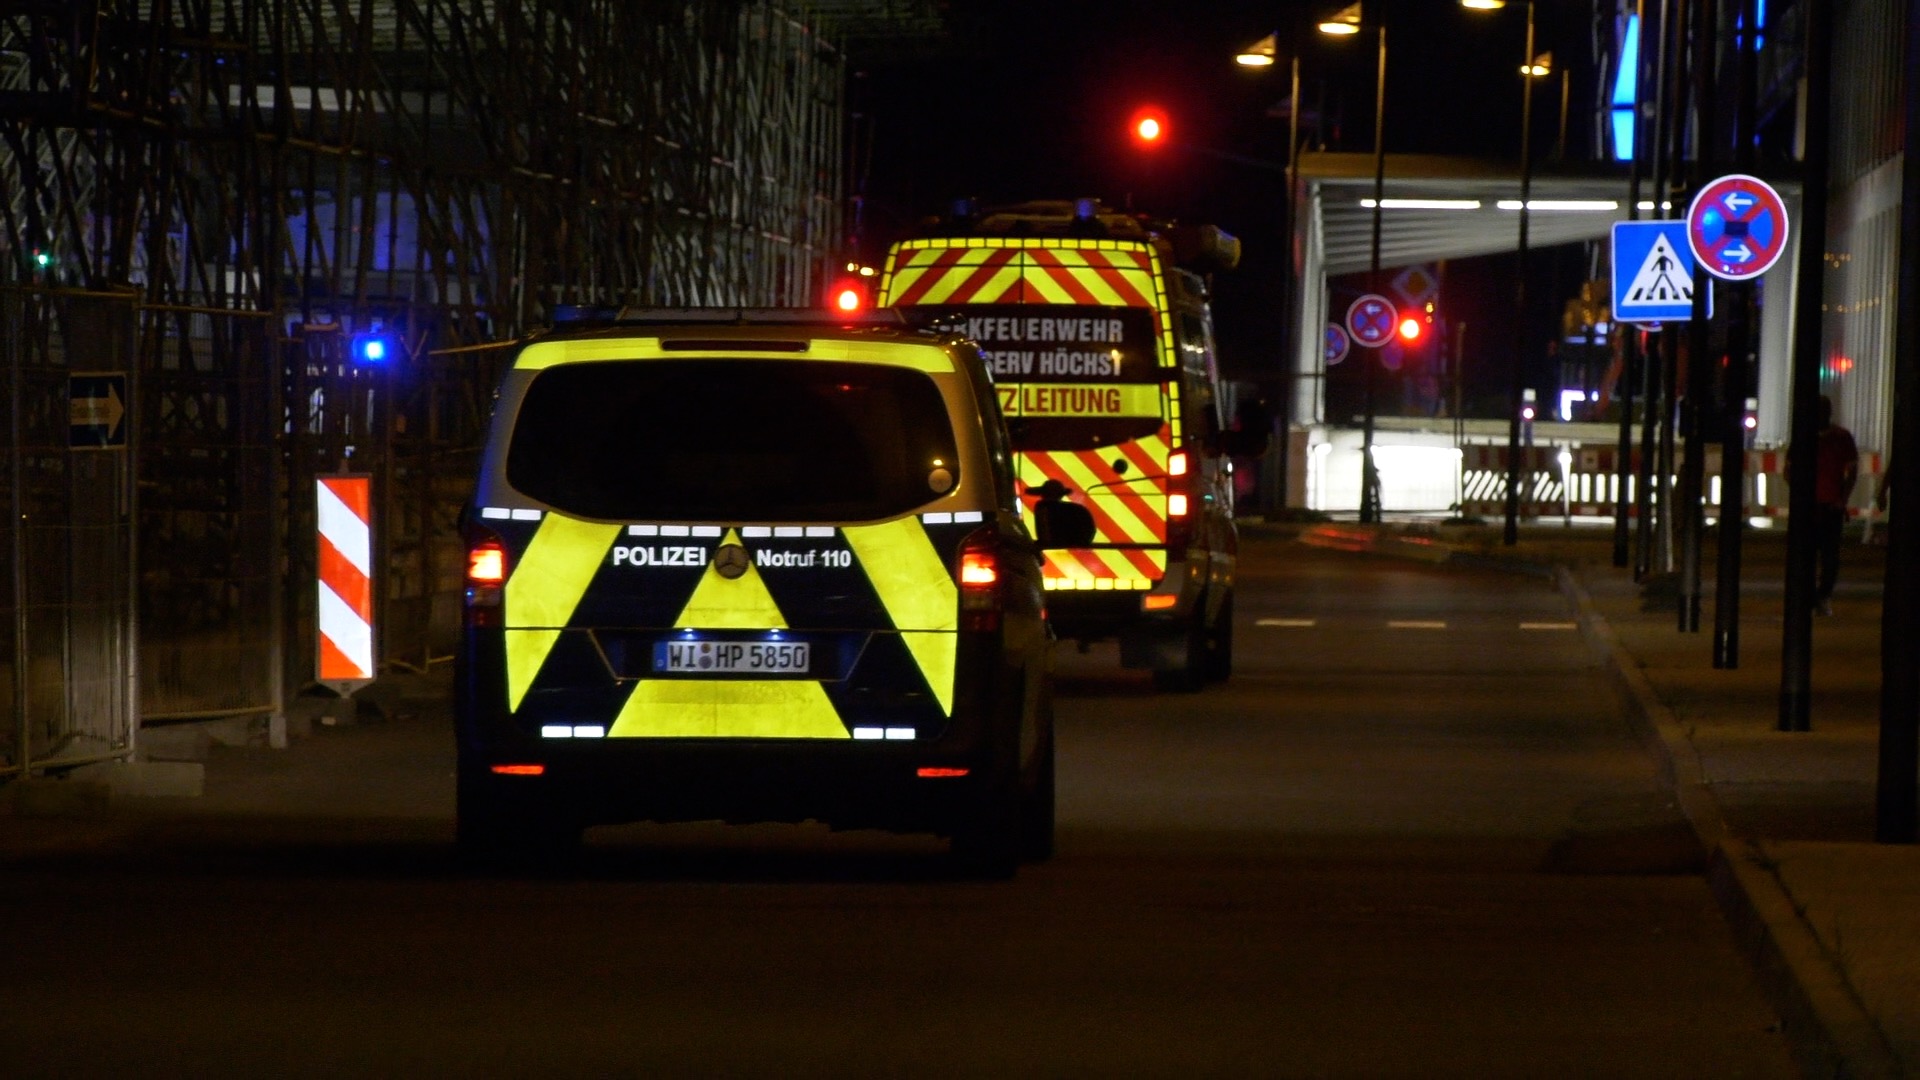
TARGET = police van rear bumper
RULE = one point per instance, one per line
(908, 785)
(680, 780)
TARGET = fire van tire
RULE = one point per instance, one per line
(1220, 644)
(1191, 675)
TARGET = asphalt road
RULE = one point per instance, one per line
(1413, 837)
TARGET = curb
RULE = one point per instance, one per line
(1828, 1031)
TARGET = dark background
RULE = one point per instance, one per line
(1031, 100)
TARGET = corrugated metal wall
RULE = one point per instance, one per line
(1864, 217)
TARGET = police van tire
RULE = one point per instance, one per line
(1220, 644)
(1191, 675)
(1037, 798)
(987, 842)
(491, 827)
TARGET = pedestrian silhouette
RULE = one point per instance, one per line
(1836, 466)
(1059, 523)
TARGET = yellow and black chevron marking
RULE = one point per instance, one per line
(731, 708)
(564, 588)
(546, 586)
(917, 589)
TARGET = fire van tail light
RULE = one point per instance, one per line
(979, 579)
(1179, 500)
(486, 580)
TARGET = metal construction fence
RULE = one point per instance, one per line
(158, 468)
(67, 600)
(205, 203)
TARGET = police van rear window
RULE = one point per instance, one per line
(732, 440)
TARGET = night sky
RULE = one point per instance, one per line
(1030, 100)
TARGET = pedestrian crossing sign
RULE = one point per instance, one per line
(1653, 272)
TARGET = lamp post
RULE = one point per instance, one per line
(1346, 24)
(1531, 68)
(1262, 54)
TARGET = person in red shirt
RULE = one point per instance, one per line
(1836, 466)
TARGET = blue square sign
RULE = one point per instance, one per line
(1653, 272)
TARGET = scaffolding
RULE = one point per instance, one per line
(253, 182)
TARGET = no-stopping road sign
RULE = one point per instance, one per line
(1737, 227)
(1336, 343)
(1371, 320)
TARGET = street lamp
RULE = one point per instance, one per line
(1531, 68)
(1346, 24)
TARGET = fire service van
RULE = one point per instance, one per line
(1096, 328)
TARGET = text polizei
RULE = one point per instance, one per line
(659, 555)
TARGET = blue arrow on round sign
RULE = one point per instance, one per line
(1337, 342)
(1371, 319)
(1737, 227)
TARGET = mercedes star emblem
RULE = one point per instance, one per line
(731, 560)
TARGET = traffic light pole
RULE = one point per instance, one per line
(1629, 332)
(1369, 475)
(1511, 535)
(1277, 493)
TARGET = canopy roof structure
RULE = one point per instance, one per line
(1436, 207)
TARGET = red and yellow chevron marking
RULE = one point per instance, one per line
(1029, 270)
(1128, 508)
(1103, 568)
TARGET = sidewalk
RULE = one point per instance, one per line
(1831, 920)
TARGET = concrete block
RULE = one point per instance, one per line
(145, 779)
(340, 712)
(235, 730)
(176, 742)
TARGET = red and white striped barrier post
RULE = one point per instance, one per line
(345, 587)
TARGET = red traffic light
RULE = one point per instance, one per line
(1411, 328)
(848, 296)
(1149, 127)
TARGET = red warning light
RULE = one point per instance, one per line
(1411, 327)
(1149, 127)
(848, 296)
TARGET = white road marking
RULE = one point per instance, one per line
(1290, 623)
(1549, 626)
(1415, 624)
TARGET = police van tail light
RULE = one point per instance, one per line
(486, 579)
(979, 578)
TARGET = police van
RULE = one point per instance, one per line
(1097, 329)
(752, 566)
